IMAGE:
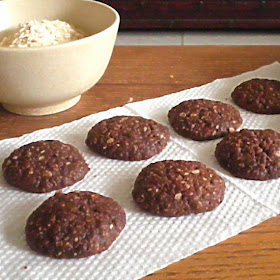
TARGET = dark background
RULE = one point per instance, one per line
(194, 14)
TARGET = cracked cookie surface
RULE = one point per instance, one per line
(177, 188)
(202, 119)
(44, 166)
(128, 138)
(251, 154)
(260, 96)
(74, 225)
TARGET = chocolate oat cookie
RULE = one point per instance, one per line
(259, 96)
(177, 188)
(202, 119)
(44, 166)
(251, 154)
(128, 138)
(74, 225)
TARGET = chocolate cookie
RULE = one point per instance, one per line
(251, 154)
(74, 225)
(202, 119)
(259, 96)
(128, 138)
(44, 166)
(177, 188)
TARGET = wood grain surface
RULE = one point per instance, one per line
(147, 72)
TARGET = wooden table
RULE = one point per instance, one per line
(146, 72)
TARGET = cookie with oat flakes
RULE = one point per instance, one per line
(178, 188)
(74, 225)
(251, 154)
(260, 96)
(44, 166)
(130, 138)
(202, 119)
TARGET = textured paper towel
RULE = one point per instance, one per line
(147, 243)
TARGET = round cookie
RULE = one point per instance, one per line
(178, 188)
(128, 138)
(74, 225)
(201, 119)
(260, 96)
(251, 154)
(44, 166)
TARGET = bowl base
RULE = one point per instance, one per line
(41, 111)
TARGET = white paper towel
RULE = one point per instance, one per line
(147, 243)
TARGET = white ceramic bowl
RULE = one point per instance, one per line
(46, 80)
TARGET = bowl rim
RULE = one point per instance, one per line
(71, 43)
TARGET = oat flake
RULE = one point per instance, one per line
(41, 34)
